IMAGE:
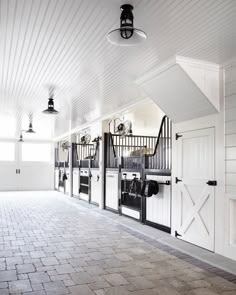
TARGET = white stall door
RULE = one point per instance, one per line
(112, 190)
(194, 213)
(76, 182)
(96, 187)
(158, 207)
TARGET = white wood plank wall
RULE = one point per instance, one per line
(230, 150)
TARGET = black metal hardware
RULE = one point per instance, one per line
(141, 152)
(177, 180)
(212, 182)
(177, 136)
(177, 234)
(167, 182)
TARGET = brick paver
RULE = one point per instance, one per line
(48, 246)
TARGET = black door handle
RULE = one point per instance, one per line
(212, 182)
(177, 180)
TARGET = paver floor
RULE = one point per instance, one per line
(50, 247)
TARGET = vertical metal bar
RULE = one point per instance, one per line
(164, 146)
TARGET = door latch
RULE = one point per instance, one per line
(177, 180)
(177, 234)
(212, 182)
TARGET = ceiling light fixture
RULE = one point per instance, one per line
(21, 138)
(126, 35)
(50, 110)
(30, 130)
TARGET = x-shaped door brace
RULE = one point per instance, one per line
(194, 213)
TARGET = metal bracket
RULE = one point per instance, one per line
(177, 234)
(177, 180)
(177, 136)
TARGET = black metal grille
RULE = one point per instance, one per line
(85, 155)
(136, 152)
(161, 158)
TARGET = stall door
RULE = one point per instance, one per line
(112, 193)
(195, 194)
(158, 207)
(95, 187)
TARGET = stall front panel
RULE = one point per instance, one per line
(75, 182)
(96, 185)
(84, 185)
(158, 207)
(112, 192)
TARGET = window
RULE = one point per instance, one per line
(7, 151)
(36, 152)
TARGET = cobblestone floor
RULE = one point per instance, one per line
(48, 246)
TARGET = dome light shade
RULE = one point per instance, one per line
(30, 130)
(114, 37)
(126, 35)
(50, 110)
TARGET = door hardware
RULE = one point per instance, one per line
(177, 180)
(212, 182)
(177, 234)
(177, 136)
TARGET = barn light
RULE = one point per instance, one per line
(126, 35)
(30, 130)
(21, 138)
(50, 110)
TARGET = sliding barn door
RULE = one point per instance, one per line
(195, 187)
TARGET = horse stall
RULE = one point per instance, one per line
(86, 173)
(138, 176)
(81, 170)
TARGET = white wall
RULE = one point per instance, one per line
(34, 175)
(145, 117)
(230, 158)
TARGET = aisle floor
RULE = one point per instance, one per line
(50, 246)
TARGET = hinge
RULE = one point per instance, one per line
(177, 180)
(177, 234)
(177, 136)
(212, 182)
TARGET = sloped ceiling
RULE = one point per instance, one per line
(63, 43)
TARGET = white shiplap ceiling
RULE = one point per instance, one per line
(63, 43)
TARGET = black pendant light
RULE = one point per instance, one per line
(21, 138)
(126, 35)
(30, 130)
(50, 110)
